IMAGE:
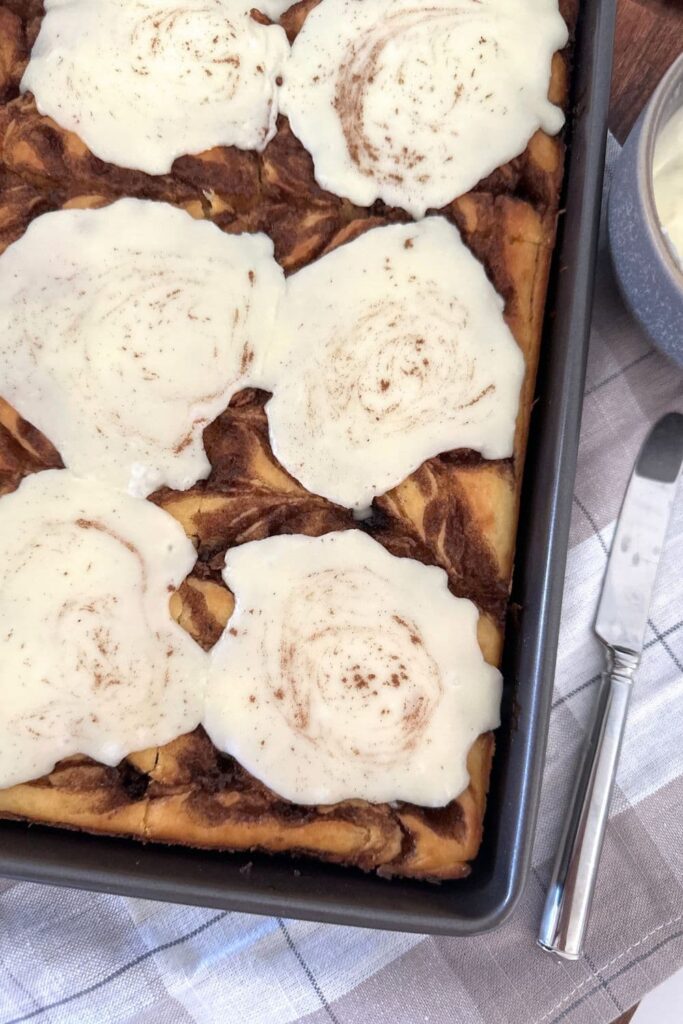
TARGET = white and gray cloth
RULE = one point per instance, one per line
(70, 956)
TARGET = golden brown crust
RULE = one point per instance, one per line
(189, 793)
(79, 793)
(197, 792)
(13, 53)
(441, 841)
(457, 510)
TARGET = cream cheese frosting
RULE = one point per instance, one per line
(145, 81)
(414, 102)
(125, 330)
(91, 661)
(345, 672)
(667, 176)
(391, 349)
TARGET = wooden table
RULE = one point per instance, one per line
(649, 38)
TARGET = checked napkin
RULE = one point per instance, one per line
(68, 956)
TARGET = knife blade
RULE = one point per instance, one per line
(620, 623)
(639, 538)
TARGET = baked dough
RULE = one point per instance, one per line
(457, 510)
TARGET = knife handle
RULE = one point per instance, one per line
(570, 895)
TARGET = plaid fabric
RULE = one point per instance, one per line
(67, 956)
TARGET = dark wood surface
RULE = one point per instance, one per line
(649, 38)
(625, 1018)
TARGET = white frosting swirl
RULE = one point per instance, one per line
(391, 349)
(345, 672)
(415, 101)
(145, 81)
(90, 660)
(125, 330)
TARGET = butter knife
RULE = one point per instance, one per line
(620, 625)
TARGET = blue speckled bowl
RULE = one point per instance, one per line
(648, 275)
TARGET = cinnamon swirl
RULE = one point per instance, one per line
(125, 330)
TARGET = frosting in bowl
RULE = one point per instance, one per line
(667, 178)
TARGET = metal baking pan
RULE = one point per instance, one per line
(317, 891)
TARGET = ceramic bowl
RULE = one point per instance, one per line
(649, 276)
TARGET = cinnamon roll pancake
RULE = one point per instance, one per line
(255, 518)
